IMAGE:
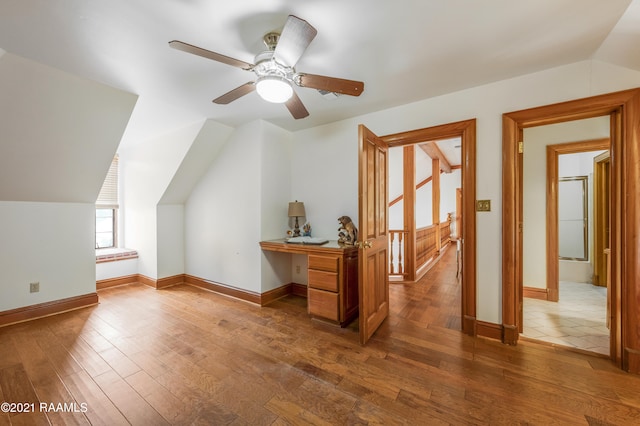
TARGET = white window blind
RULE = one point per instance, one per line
(108, 197)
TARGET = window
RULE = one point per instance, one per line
(107, 209)
(105, 228)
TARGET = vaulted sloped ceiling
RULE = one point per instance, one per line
(201, 153)
(67, 79)
(58, 132)
(403, 51)
(622, 45)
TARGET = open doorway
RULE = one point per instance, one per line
(561, 303)
(424, 181)
(623, 110)
(466, 131)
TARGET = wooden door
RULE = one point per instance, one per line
(458, 217)
(601, 249)
(373, 244)
(601, 218)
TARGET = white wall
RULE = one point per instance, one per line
(424, 200)
(330, 181)
(120, 268)
(59, 134)
(536, 140)
(146, 171)
(204, 149)
(448, 184)
(324, 171)
(170, 235)
(395, 186)
(424, 206)
(275, 183)
(222, 214)
(424, 194)
(223, 217)
(396, 216)
(49, 243)
(580, 164)
(170, 210)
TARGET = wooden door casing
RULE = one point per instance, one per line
(623, 108)
(466, 130)
(553, 152)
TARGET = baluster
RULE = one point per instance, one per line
(400, 250)
(391, 238)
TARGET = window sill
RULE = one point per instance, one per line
(115, 254)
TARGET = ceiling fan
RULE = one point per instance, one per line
(275, 70)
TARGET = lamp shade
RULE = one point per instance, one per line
(296, 209)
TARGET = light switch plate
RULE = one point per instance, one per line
(483, 205)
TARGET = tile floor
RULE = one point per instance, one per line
(577, 320)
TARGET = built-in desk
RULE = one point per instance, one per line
(332, 291)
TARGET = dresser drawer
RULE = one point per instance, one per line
(323, 280)
(324, 263)
(323, 304)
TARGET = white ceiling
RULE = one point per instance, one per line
(404, 51)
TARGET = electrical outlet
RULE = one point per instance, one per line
(297, 269)
(483, 205)
(34, 287)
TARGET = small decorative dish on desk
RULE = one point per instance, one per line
(306, 240)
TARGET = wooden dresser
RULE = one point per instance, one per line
(332, 291)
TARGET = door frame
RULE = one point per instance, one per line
(623, 108)
(553, 152)
(466, 131)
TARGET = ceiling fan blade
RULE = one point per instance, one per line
(236, 93)
(185, 47)
(296, 107)
(296, 36)
(330, 84)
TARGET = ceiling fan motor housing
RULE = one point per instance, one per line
(266, 65)
(274, 79)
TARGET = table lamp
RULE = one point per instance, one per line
(296, 209)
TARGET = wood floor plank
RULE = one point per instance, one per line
(88, 358)
(135, 408)
(203, 405)
(172, 409)
(247, 401)
(293, 413)
(184, 355)
(58, 355)
(119, 362)
(100, 409)
(16, 388)
(4, 416)
(8, 353)
(55, 400)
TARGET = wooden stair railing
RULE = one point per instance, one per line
(397, 238)
(427, 246)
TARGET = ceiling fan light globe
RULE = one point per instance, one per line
(274, 89)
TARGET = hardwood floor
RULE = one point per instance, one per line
(183, 355)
